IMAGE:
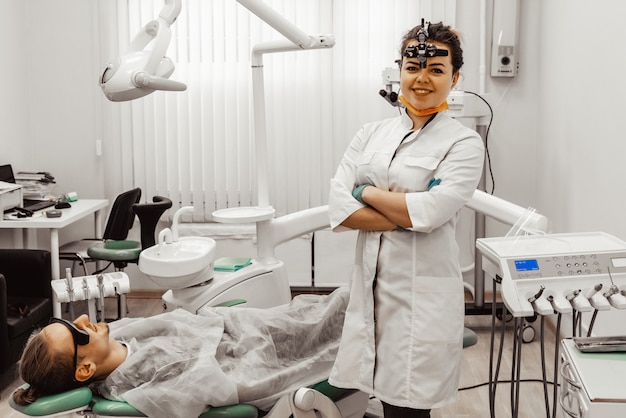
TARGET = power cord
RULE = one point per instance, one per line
(479, 385)
(491, 176)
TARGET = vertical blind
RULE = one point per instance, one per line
(197, 146)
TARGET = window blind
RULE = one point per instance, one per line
(197, 147)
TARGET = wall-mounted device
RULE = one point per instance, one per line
(504, 41)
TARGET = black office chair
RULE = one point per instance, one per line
(123, 252)
(120, 221)
(149, 215)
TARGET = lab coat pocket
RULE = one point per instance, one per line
(421, 169)
(438, 309)
(366, 172)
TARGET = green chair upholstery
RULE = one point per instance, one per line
(55, 404)
(107, 408)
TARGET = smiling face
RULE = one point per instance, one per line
(428, 87)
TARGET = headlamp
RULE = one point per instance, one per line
(422, 51)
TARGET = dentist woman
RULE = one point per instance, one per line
(401, 183)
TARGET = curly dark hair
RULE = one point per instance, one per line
(438, 32)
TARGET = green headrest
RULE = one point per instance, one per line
(54, 404)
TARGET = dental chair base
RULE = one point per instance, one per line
(260, 285)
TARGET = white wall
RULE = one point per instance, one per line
(581, 147)
(48, 105)
(13, 84)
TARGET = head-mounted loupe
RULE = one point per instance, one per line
(422, 51)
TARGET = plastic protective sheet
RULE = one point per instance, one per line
(181, 363)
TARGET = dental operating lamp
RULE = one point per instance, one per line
(144, 68)
(142, 71)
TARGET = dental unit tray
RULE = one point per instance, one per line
(552, 273)
(601, 344)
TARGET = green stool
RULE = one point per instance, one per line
(469, 338)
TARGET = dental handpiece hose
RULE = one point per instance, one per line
(69, 283)
(100, 280)
(593, 291)
(85, 288)
(537, 295)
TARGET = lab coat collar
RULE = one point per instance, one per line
(407, 122)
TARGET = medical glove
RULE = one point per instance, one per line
(358, 191)
(432, 183)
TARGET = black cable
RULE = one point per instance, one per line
(493, 182)
(491, 344)
(494, 377)
(557, 334)
(513, 360)
(577, 318)
(593, 320)
(103, 269)
(479, 385)
(518, 371)
(543, 367)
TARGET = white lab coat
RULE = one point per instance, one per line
(402, 341)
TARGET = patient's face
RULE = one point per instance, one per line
(60, 339)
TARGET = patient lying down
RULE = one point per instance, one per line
(176, 364)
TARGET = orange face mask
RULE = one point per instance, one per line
(423, 112)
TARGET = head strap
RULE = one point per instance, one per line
(422, 51)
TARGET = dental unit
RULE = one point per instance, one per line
(537, 274)
(551, 275)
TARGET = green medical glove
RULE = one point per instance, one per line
(358, 191)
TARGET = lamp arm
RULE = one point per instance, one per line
(170, 11)
(278, 22)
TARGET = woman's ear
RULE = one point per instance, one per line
(85, 371)
(455, 78)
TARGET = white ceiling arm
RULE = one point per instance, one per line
(171, 10)
(278, 22)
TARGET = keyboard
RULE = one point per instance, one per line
(36, 205)
(33, 205)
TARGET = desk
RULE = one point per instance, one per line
(80, 209)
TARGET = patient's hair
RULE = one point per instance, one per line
(46, 371)
(438, 32)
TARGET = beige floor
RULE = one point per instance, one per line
(472, 403)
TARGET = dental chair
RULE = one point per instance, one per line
(328, 401)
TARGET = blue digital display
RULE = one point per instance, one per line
(526, 265)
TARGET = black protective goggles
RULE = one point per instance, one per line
(79, 336)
